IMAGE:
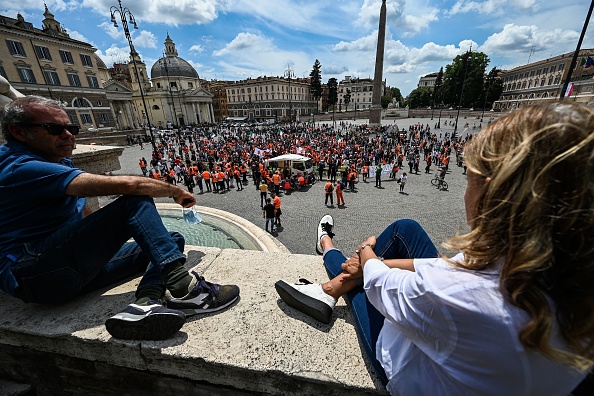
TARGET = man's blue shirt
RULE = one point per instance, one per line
(33, 202)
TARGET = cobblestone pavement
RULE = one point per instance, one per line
(367, 211)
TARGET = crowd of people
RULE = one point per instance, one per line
(218, 158)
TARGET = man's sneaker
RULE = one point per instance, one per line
(145, 322)
(204, 297)
(325, 227)
(308, 298)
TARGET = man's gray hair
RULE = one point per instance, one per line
(20, 112)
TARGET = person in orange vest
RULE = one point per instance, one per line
(206, 176)
(277, 209)
(244, 171)
(222, 179)
(142, 164)
(339, 195)
(215, 182)
(237, 180)
(365, 173)
(276, 180)
(352, 179)
(329, 189)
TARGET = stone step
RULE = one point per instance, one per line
(258, 346)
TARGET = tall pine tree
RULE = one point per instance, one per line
(316, 81)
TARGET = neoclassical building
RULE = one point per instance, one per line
(279, 98)
(48, 62)
(174, 94)
(542, 81)
(361, 91)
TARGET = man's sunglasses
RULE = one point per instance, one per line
(57, 129)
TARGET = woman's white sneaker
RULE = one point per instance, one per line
(308, 298)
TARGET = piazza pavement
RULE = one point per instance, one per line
(366, 212)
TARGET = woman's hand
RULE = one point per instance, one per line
(353, 268)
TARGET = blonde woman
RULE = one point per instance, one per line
(513, 313)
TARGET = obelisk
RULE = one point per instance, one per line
(375, 114)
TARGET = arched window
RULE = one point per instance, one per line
(155, 107)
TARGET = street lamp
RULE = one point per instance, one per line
(125, 14)
(290, 74)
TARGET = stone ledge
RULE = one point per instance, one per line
(258, 346)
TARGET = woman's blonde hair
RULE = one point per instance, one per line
(537, 214)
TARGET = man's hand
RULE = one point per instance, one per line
(185, 199)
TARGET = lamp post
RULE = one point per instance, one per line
(169, 88)
(290, 74)
(126, 15)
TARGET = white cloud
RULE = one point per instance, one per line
(77, 36)
(515, 38)
(246, 42)
(114, 54)
(112, 31)
(366, 43)
(492, 7)
(196, 48)
(145, 39)
(334, 69)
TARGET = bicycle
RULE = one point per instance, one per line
(439, 183)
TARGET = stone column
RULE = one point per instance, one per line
(375, 114)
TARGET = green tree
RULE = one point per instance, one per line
(463, 79)
(332, 91)
(493, 87)
(386, 100)
(347, 98)
(420, 97)
(396, 94)
(316, 81)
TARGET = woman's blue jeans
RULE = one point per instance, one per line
(93, 252)
(401, 239)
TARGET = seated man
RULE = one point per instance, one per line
(52, 248)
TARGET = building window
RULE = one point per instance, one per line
(71, 119)
(545, 70)
(66, 56)
(74, 79)
(27, 75)
(173, 84)
(561, 66)
(3, 72)
(190, 85)
(86, 60)
(99, 103)
(16, 48)
(532, 73)
(43, 53)
(52, 77)
(553, 69)
(81, 102)
(557, 80)
(93, 83)
(103, 118)
(542, 82)
(550, 80)
(86, 118)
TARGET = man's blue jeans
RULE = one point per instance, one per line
(401, 239)
(93, 252)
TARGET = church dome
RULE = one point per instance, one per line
(176, 67)
(171, 64)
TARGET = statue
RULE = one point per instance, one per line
(7, 92)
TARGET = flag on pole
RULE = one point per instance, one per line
(589, 62)
(569, 90)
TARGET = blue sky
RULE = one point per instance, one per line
(237, 39)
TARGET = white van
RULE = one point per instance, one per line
(295, 163)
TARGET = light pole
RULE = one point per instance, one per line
(125, 14)
(290, 74)
(174, 115)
